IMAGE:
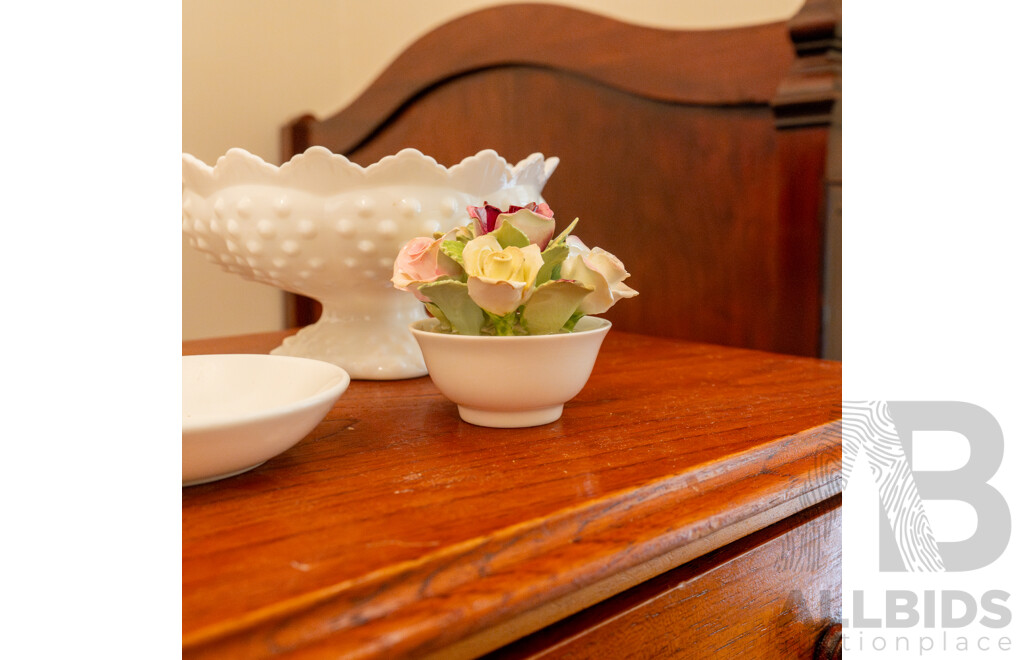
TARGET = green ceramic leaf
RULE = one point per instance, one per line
(435, 311)
(570, 325)
(565, 233)
(552, 305)
(453, 250)
(452, 298)
(510, 236)
(553, 257)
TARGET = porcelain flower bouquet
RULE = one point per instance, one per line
(512, 338)
(505, 273)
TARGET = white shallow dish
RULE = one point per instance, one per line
(238, 411)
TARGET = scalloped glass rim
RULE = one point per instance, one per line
(319, 170)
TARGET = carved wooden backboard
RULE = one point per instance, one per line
(699, 158)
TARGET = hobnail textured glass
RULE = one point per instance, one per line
(330, 229)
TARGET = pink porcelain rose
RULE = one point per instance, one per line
(421, 261)
(598, 269)
(536, 221)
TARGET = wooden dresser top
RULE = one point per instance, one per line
(396, 529)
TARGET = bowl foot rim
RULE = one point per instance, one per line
(510, 419)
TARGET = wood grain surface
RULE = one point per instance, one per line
(396, 530)
(769, 595)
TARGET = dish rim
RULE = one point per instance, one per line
(333, 388)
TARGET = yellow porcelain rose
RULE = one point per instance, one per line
(500, 279)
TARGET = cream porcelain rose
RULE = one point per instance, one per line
(500, 279)
(598, 269)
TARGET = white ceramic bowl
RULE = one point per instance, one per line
(511, 382)
(238, 411)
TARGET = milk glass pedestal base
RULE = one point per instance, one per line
(366, 335)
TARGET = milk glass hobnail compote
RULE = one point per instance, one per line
(327, 228)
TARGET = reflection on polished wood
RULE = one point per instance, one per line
(396, 530)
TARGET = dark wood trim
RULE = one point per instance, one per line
(809, 97)
(809, 91)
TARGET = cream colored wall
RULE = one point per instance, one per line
(250, 66)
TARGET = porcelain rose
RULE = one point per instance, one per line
(500, 279)
(421, 261)
(536, 221)
(598, 269)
